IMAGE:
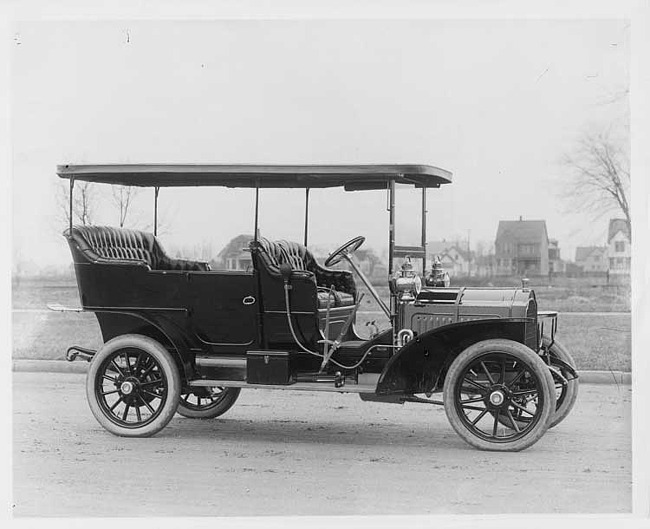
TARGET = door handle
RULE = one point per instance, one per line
(248, 300)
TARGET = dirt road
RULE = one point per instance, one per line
(288, 453)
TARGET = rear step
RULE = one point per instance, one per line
(77, 351)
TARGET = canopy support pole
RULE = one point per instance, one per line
(306, 213)
(257, 209)
(424, 229)
(391, 249)
(71, 197)
(391, 225)
(156, 190)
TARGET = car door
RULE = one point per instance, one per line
(223, 308)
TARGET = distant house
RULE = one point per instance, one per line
(456, 261)
(592, 259)
(619, 249)
(235, 255)
(455, 258)
(522, 248)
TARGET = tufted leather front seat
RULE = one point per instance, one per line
(104, 244)
(336, 285)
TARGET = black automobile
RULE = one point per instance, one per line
(180, 337)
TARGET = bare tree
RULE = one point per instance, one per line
(123, 198)
(600, 176)
(83, 202)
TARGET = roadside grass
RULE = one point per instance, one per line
(596, 341)
(47, 335)
(36, 294)
(584, 297)
(600, 341)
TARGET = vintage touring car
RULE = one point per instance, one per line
(180, 337)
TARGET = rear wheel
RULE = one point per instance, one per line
(133, 386)
(494, 379)
(207, 403)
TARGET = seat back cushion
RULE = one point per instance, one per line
(118, 243)
(285, 252)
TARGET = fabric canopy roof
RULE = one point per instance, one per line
(350, 177)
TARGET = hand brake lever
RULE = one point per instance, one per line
(337, 343)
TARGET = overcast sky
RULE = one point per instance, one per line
(495, 102)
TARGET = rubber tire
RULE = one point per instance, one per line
(565, 407)
(562, 409)
(218, 409)
(521, 352)
(167, 364)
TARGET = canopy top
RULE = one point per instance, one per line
(350, 177)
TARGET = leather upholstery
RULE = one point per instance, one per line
(336, 299)
(274, 253)
(104, 244)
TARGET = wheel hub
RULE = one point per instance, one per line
(127, 387)
(497, 398)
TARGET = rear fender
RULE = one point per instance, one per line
(163, 330)
(420, 366)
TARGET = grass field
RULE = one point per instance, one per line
(597, 341)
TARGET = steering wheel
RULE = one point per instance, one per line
(346, 249)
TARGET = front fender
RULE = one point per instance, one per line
(420, 365)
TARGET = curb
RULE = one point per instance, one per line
(81, 367)
(605, 377)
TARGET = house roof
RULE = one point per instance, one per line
(522, 230)
(583, 252)
(461, 251)
(235, 246)
(616, 225)
(455, 248)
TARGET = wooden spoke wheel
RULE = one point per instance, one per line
(133, 386)
(207, 403)
(489, 388)
(566, 386)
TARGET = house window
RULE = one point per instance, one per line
(620, 246)
(611, 262)
(528, 249)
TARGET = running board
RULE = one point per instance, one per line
(299, 386)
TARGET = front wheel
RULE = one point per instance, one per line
(133, 386)
(566, 385)
(207, 403)
(493, 379)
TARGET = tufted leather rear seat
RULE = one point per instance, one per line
(104, 244)
(341, 282)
